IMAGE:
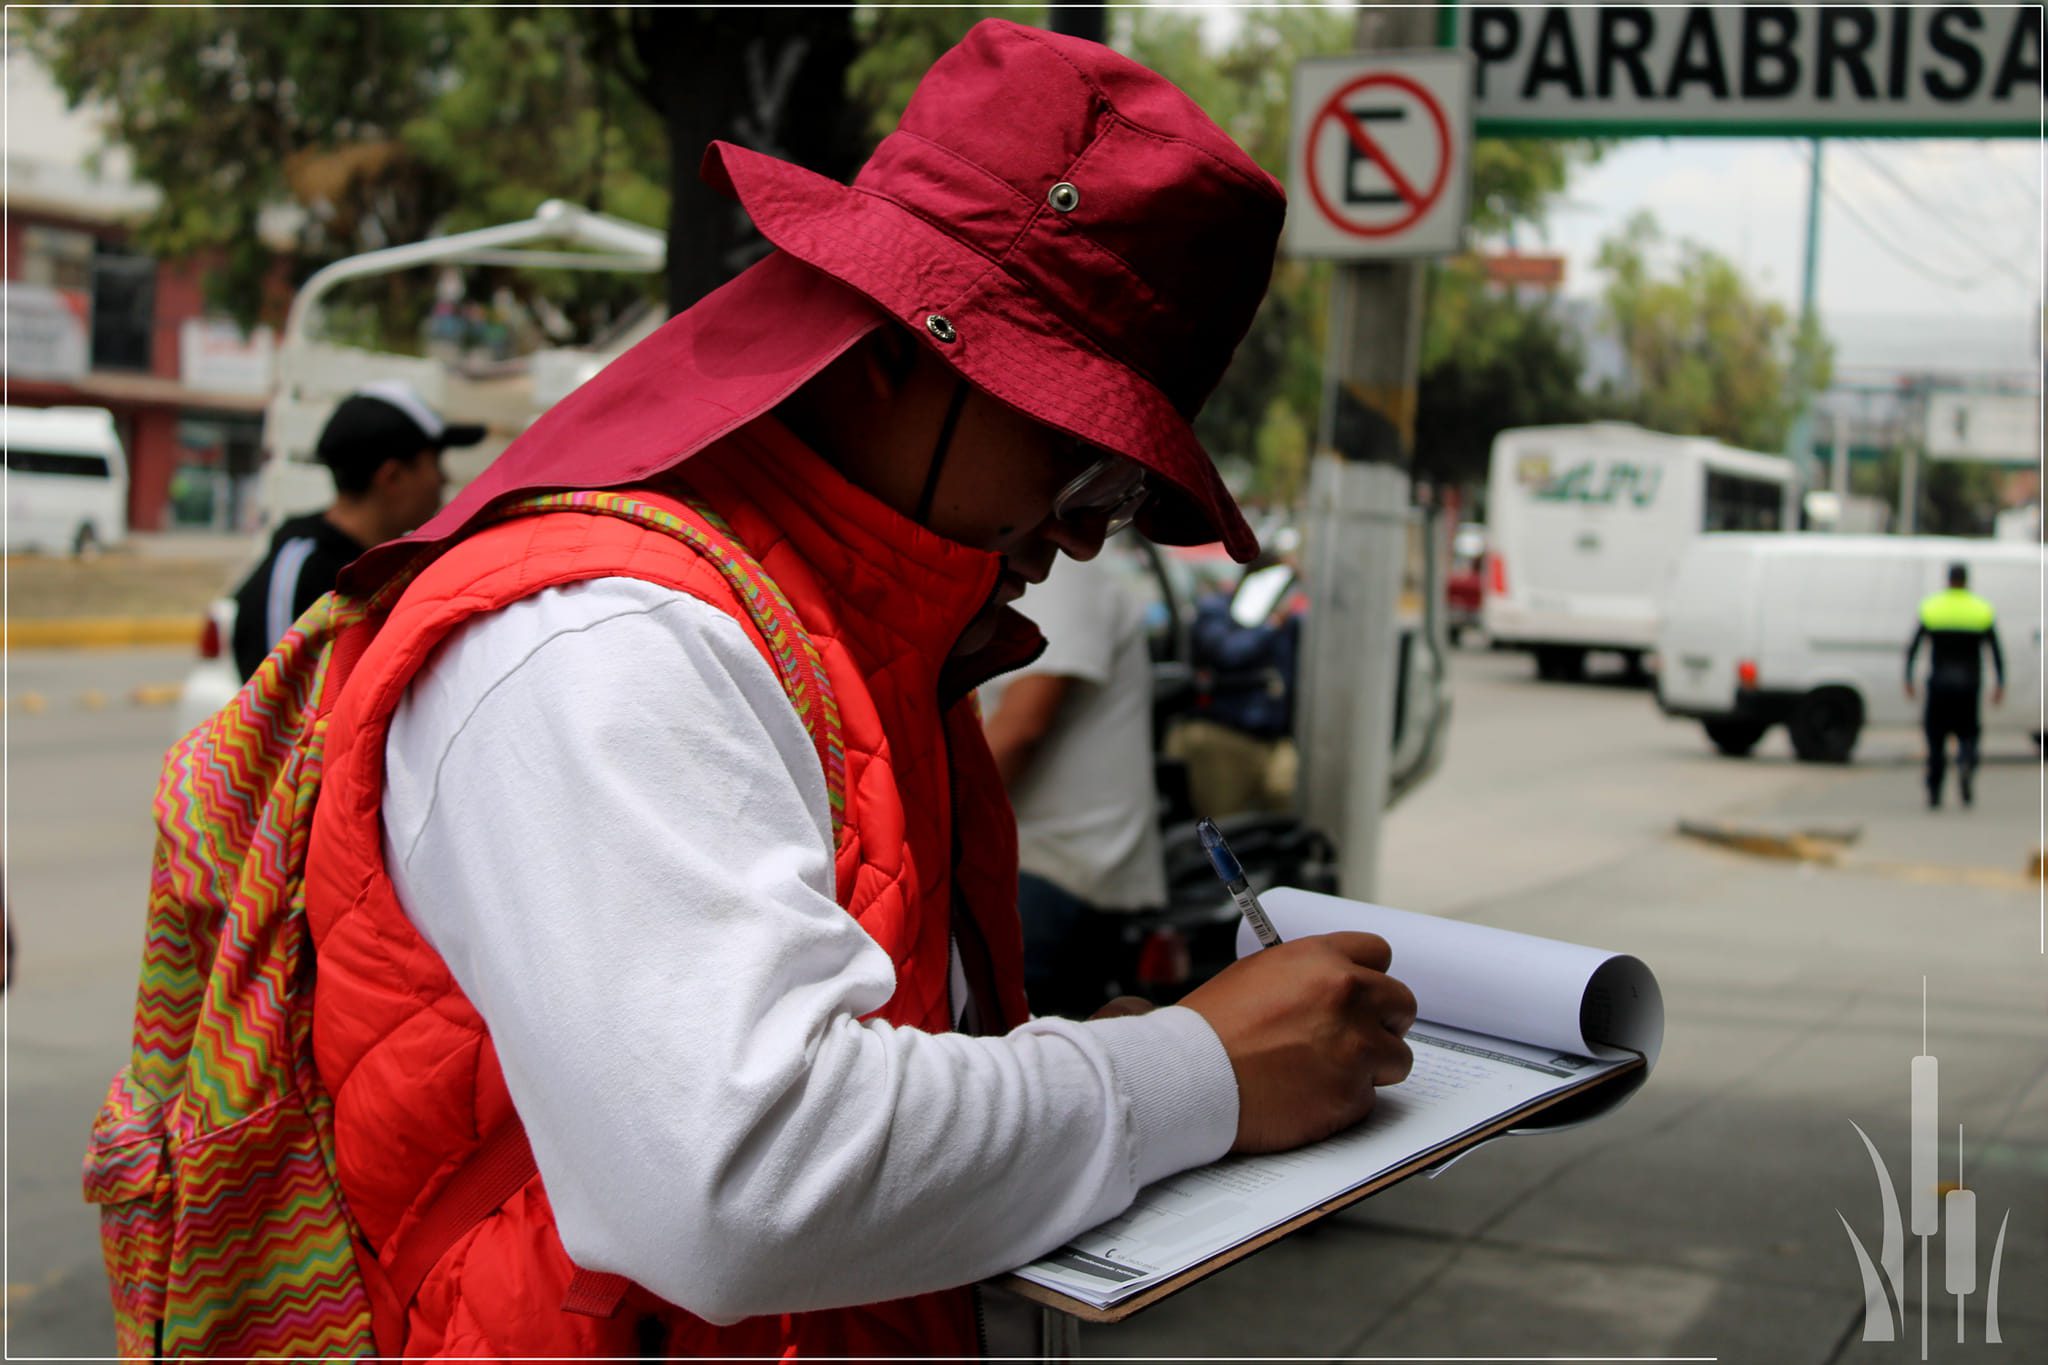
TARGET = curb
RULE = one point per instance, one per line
(103, 632)
(1830, 848)
(1800, 845)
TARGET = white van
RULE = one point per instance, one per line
(1586, 523)
(67, 480)
(1812, 630)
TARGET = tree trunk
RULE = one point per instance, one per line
(773, 80)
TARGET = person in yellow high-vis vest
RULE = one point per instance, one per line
(1958, 626)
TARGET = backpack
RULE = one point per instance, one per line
(221, 1217)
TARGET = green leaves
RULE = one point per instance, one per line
(1705, 354)
(376, 126)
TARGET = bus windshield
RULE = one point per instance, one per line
(1735, 503)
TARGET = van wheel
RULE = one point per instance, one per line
(86, 543)
(1560, 663)
(1824, 725)
(1735, 738)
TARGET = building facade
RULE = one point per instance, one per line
(94, 321)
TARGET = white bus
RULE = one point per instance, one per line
(1586, 523)
(67, 480)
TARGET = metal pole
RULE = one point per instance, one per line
(1909, 466)
(1839, 483)
(1799, 442)
(1356, 529)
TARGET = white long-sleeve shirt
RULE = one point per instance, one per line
(603, 813)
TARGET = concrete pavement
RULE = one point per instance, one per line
(1700, 1219)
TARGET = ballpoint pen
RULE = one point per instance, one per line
(1235, 882)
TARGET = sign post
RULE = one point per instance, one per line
(1378, 172)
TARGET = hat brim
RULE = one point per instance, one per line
(457, 434)
(1007, 341)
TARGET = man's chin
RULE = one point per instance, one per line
(980, 630)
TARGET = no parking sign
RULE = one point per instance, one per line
(1379, 164)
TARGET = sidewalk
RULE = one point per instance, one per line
(151, 590)
(1889, 804)
(1701, 1218)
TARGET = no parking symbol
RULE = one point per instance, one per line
(1379, 162)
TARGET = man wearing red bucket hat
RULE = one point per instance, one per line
(689, 870)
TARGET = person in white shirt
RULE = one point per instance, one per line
(1072, 736)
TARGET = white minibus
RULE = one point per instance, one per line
(1811, 631)
(67, 480)
(1585, 523)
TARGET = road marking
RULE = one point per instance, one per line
(148, 697)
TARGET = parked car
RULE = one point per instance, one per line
(67, 480)
(1585, 524)
(1810, 631)
(1464, 584)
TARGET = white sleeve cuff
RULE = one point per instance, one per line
(1179, 1084)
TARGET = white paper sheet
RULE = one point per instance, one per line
(1572, 1013)
(1494, 981)
(1461, 1081)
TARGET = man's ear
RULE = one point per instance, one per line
(392, 472)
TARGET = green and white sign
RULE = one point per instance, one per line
(1616, 70)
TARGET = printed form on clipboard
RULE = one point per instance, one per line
(1516, 1034)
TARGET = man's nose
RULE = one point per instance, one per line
(1082, 542)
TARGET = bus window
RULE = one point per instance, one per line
(58, 462)
(1734, 503)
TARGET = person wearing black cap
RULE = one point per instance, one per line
(383, 445)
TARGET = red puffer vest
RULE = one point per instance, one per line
(410, 1063)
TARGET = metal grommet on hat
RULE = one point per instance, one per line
(1063, 197)
(936, 324)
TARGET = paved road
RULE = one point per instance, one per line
(78, 837)
(1699, 1220)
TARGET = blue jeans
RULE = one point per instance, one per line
(1059, 951)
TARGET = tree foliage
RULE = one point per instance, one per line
(1705, 354)
(386, 126)
(1490, 361)
(368, 127)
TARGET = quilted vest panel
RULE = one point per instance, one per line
(410, 1063)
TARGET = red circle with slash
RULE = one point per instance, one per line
(1415, 199)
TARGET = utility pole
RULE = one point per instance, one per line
(1839, 482)
(1799, 441)
(1356, 527)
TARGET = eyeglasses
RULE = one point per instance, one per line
(1109, 493)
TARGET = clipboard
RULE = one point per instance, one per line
(1561, 1109)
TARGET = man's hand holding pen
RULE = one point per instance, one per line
(1311, 1028)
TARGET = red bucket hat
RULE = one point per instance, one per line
(1062, 226)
